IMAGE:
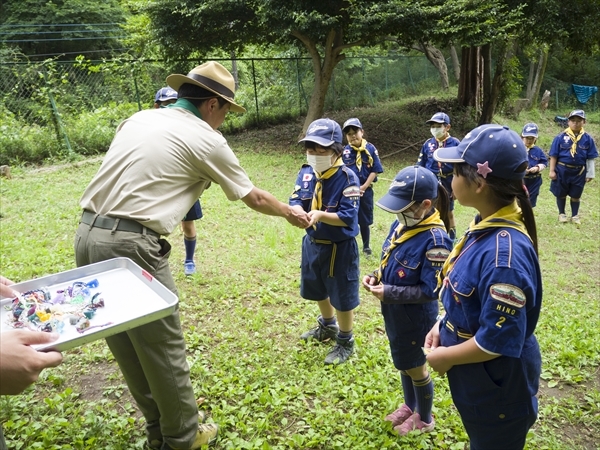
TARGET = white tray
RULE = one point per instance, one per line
(132, 297)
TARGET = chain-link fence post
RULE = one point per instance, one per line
(60, 129)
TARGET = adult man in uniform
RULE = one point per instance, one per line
(158, 164)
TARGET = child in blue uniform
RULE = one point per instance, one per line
(537, 162)
(362, 157)
(491, 289)
(439, 128)
(330, 193)
(572, 157)
(413, 253)
(165, 96)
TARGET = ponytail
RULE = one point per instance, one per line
(441, 203)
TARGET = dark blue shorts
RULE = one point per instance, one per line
(193, 214)
(568, 182)
(330, 270)
(533, 187)
(496, 399)
(447, 183)
(406, 327)
(365, 210)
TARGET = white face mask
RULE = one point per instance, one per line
(319, 163)
(408, 219)
(438, 133)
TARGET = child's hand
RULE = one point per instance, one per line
(438, 361)
(314, 217)
(367, 282)
(5, 290)
(432, 340)
(552, 175)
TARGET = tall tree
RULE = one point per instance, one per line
(322, 29)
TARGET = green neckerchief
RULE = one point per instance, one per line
(185, 104)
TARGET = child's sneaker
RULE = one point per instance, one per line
(414, 422)
(206, 435)
(576, 220)
(399, 416)
(562, 218)
(321, 333)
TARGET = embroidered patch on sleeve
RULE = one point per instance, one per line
(437, 255)
(509, 294)
(307, 177)
(351, 191)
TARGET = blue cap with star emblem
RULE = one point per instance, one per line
(411, 184)
(530, 130)
(324, 132)
(492, 149)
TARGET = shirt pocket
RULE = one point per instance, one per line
(461, 289)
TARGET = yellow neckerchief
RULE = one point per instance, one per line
(508, 217)
(359, 150)
(317, 200)
(433, 221)
(439, 143)
(575, 139)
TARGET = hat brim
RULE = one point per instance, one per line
(393, 204)
(449, 155)
(576, 115)
(528, 135)
(176, 80)
(435, 121)
(317, 140)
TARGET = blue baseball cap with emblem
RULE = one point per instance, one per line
(411, 184)
(353, 122)
(530, 130)
(492, 149)
(164, 94)
(324, 132)
(577, 113)
(439, 117)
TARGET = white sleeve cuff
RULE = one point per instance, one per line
(484, 350)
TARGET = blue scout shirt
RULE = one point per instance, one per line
(535, 156)
(426, 156)
(341, 195)
(410, 275)
(349, 159)
(561, 149)
(494, 291)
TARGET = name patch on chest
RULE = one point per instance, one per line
(351, 191)
(509, 294)
(437, 255)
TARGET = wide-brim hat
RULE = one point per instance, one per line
(211, 76)
(412, 184)
(492, 149)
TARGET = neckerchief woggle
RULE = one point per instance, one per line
(510, 216)
(400, 236)
(359, 151)
(575, 139)
(317, 200)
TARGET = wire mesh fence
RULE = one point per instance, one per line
(75, 106)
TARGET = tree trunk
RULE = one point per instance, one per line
(234, 70)
(455, 62)
(539, 76)
(489, 106)
(530, 80)
(470, 82)
(436, 58)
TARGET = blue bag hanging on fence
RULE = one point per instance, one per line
(583, 93)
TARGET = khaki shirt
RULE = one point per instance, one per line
(158, 165)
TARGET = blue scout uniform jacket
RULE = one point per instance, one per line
(426, 156)
(341, 195)
(349, 158)
(561, 149)
(410, 275)
(535, 156)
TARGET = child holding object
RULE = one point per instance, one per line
(413, 253)
(491, 289)
(537, 162)
(329, 192)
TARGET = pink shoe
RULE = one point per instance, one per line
(399, 416)
(414, 422)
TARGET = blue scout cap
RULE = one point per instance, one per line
(491, 149)
(439, 118)
(411, 184)
(164, 94)
(353, 122)
(530, 130)
(577, 113)
(323, 132)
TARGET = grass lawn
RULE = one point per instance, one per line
(242, 316)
